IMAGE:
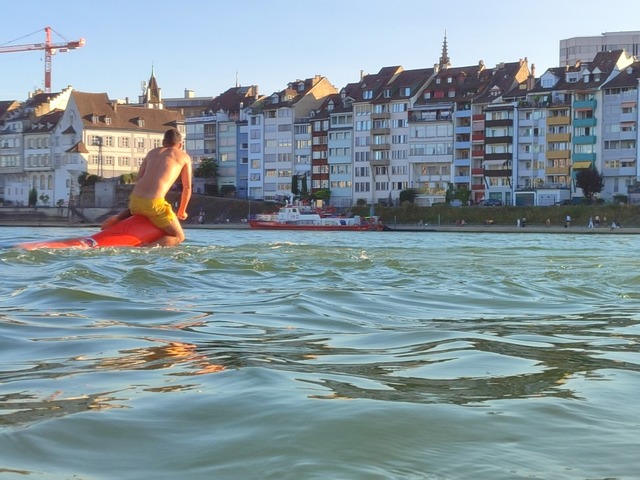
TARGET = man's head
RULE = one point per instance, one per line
(172, 138)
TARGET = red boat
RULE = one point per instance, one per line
(294, 217)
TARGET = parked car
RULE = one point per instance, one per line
(455, 203)
(491, 202)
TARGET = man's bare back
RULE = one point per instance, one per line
(159, 171)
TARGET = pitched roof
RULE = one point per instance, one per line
(97, 111)
(234, 99)
(46, 122)
(628, 77)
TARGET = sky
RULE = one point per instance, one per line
(209, 45)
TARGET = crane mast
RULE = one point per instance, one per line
(49, 48)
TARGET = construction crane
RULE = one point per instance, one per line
(49, 48)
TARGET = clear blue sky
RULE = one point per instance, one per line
(201, 44)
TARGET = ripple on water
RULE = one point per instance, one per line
(246, 355)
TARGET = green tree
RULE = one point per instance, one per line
(294, 185)
(85, 179)
(408, 195)
(321, 194)
(304, 190)
(33, 197)
(208, 169)
(590, 181)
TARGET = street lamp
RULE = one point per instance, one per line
(98, 142)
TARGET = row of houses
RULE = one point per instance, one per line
(496, 132)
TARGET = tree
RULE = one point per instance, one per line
(408, 195)
(208, 169)
(590, 181)
(304, 190)
(321, 194)
(294, 185)
(33, 197)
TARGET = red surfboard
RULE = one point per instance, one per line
(134, 231)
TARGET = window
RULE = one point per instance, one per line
(367, 94)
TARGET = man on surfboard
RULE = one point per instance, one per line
(160, 169)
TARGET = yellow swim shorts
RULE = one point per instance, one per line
(158, 210)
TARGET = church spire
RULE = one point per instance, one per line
(445, 62)
(153, 94)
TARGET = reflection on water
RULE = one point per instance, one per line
(453, 358)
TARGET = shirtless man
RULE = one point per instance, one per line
(160, 169)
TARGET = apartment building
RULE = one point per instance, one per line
(581, 109)
(584, 49)
(620, 131)
(280, 137)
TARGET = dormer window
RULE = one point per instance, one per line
(141, 122)
(387, 93)
(95, 118)
(449, 80)
(426, 95)
(405, 92)
(107, 120)
(367, 94)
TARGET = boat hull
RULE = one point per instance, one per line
(257, 224)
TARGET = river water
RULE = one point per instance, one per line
(301, 355)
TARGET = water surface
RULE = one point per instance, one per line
(322, 355)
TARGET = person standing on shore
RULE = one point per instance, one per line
(159, 171)
(568, 222)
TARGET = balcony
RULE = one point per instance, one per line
(558, 137)
(498, 156)
(380, 146)
(463, 130)
(556, 171)
(477, 186)
(583, 157)
(477, 136)
(584, 140)
(584, 122)
(619, 172)
(498, 123)
(505, 172)
(503, 139)
(380, 116)
(554, 154)
(381, 162)
(380, 131)
(559, 120)
(585, 104)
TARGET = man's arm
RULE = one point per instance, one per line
(185, 177)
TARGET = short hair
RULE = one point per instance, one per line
(172, 137)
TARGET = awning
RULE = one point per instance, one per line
(577, 165)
